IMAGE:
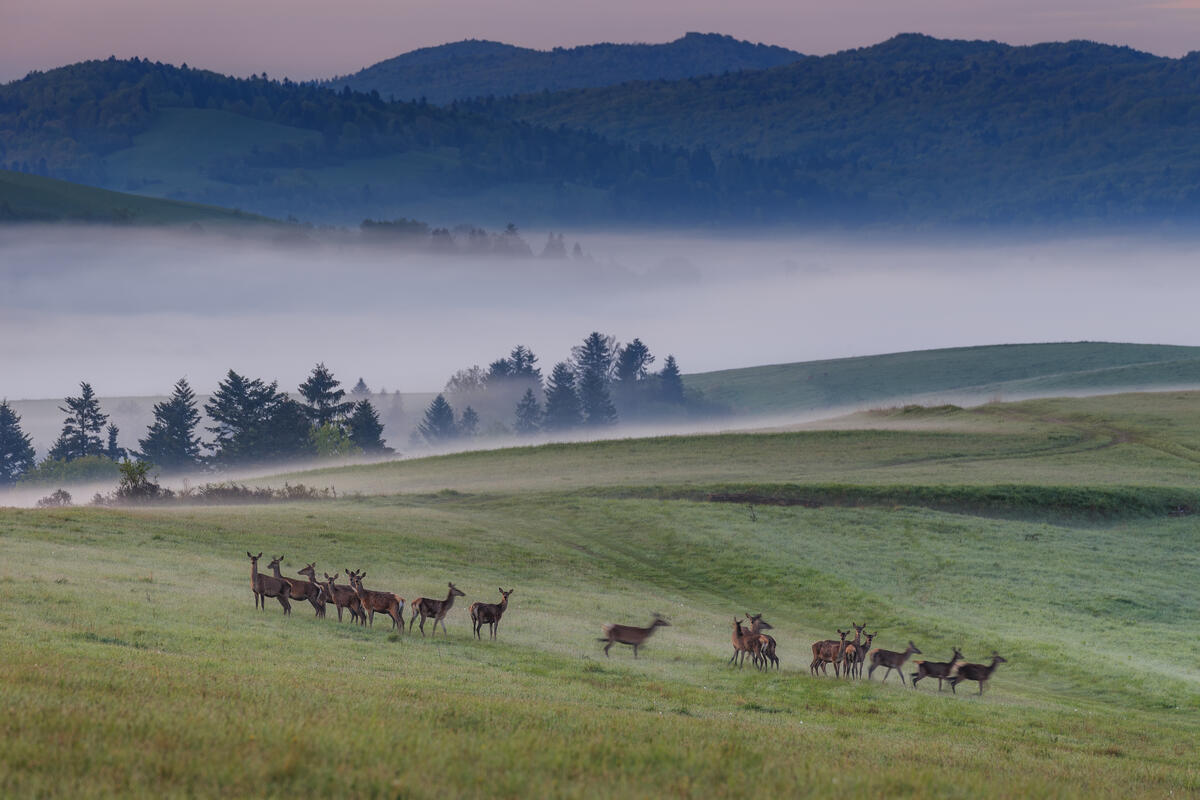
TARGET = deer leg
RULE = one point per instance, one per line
(606, 648)
(635, 647)
(339, 609)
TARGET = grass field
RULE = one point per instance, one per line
(135, 663)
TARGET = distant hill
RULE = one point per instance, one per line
(475, 68)
(32, 198)
(951, 375)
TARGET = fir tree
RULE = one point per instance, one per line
(594, 361)
(529, 414)
(365, 428)
(171, 442)
(562, 402)
(594, 399)
(324, 398)
(468, 423)
(438, 424)
(360, 389)
(256, 422)
(632, 362)
(81, 430)
(670, 382)
(16, 448)
(114, 450)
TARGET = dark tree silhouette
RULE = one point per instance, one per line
(468, 422)
(670, 382)
(171, 442)
(324, 398)
(81, 430)
(16, 448)
(114, 450)
(360, 389)
(529, 414)
(562, 402)
(256, 422)
(438, 424)
(366, 430)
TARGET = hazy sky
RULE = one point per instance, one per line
(316, 38)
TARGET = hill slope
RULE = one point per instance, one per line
(31, 198)
(473, 68)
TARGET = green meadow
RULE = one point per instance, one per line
(135, 663)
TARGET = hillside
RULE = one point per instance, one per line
(934, 130)
(473, 68)
(31, 198)
(147, 649)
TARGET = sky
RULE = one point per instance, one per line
(306, 39)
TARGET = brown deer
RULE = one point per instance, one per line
(308, 590)
(855, 655)
(344, 597)
(936, 669)
(437, 609)
(743, 642)
(489, 614)
(976, 672)
(627, 634)
(892, 660)
(826, 652)
(372, 601)
(265, 586)
(766, 643)
(851, 648)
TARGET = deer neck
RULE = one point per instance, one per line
(503, 603)
(449, 601)
(275, 571)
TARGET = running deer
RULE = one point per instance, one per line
(372, 601)
(976, 672)
(826, 652)
(437, 609)
(766, 642)
(265, 586)
(892, 660)
(344, 597)
(489, 614)
(743, 642)
(936, 669)
(627, 634)
(853, 658)
(308, 590)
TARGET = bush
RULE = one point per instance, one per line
(88, 469)
(57, 499)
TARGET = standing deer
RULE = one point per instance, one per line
(437, 609)
(344, 597)
(851, 650)
(627, 634)
(308, 590)
(766, 643)
(826, 652)
(372, 601)
(743, 642)
(265, 586)
(853, 658)
(976, 672)
(936, 669)
(892, 660)
(489, 614)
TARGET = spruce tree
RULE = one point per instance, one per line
(438, 424)
(81, 429)
(529, 414)
(593, 364)
(360, 389)
(595, 400)
(632, 362)
(365, 428)
(171, 442)
(114, 450)
(255, 422)
(670, 382)
(324, 398)
(468, 423)
(562, 401)
(16, 448)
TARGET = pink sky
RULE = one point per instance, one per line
(305, 39)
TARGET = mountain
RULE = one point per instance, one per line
(474, 68)
(934, 131)
(31, 198)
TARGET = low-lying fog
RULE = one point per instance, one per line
(132, 311)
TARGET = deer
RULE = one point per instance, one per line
(892, 660)
(344, 597)
(976, 672)
(766, 642)
(627, 634)
(488, 614)
(308, 590)
(372, 601)
(852, 659)
(425, 607)
(851, 648)
(936, 669)
(265, 586)
(743, 642)
(826, 652)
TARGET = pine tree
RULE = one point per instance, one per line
(670, 382)
(114, 450)
(366, 430)
(171, 442)
(632, 362)
(360, 389)
(594, 361)
(594, 399)
(562, 401)
(468, 423)
(324, 398)
(529, 414)
(438, 424)
(81, 430)
(255, 422)
(16, 448)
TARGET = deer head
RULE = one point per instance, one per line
(455, 591)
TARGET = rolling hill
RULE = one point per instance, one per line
(473, 68)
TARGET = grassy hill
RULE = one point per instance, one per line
(473, 68)
(146, 669)
(31, 198)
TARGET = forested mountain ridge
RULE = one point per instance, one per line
(479, 68)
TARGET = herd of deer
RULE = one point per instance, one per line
(748, 633)
(364, 603)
